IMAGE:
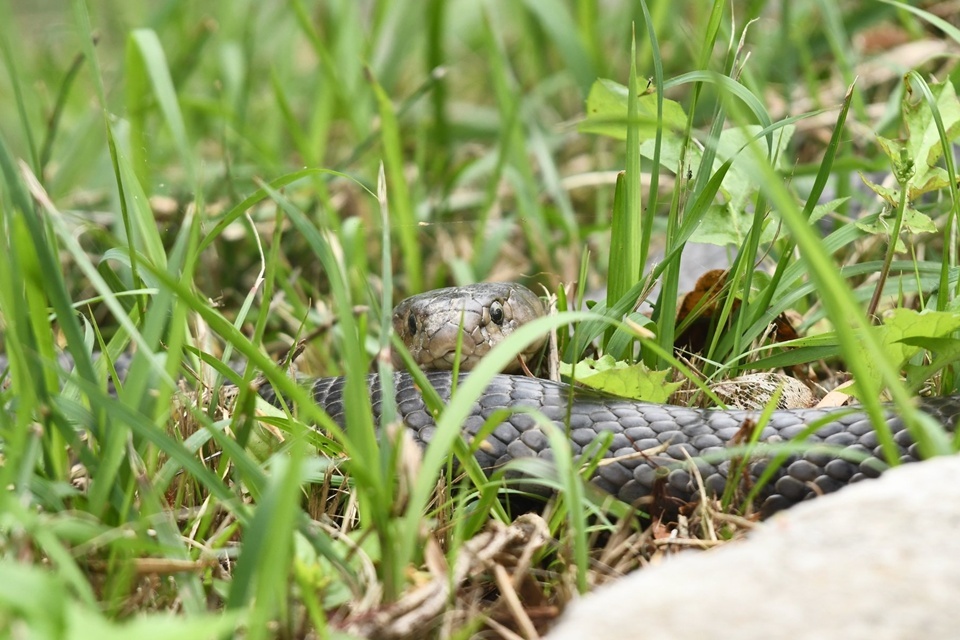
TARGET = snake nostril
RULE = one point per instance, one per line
(412, 324)
(496, 312)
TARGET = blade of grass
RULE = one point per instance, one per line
(53, 124)
(849, 323)
(786, 273)
(665, 309)
(626, 237)
(405, 218)
(952, 228)
(264, 563)
(449, 423)
(554, 17)
(9, 60)
(53, 282)
(147, 66)
(647, 226)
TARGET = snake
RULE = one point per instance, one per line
(655, 454)
(658, 455)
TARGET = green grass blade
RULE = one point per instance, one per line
(626, 237)
(952, 227)
(849, 322)
(554, 17)
(10, 61)
(400, 197)
(147, 66)
(651, 208)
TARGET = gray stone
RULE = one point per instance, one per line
(879, 559)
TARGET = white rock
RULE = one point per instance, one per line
(879, 559)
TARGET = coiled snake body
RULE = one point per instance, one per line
(653, 446)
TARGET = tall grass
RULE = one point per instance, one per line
(191, 182)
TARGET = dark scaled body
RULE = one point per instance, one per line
(674, 434)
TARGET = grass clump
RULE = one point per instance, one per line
(189, 183)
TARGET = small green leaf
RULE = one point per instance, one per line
(892, 196)
(822, 210)
(913, 222)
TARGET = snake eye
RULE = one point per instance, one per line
(496, 312)
(412, 324)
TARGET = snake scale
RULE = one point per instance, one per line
(652, 445)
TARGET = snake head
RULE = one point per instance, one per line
(430, 323)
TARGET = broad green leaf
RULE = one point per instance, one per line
(723, 225)
(727, 223)
(915, 158)
(622, 379)
(889, 194)
(739, 185)
(945, 351)
(923, 139)
(902, 327)
(607, 113)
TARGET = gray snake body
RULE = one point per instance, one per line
(653, 445)
(676, 434)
